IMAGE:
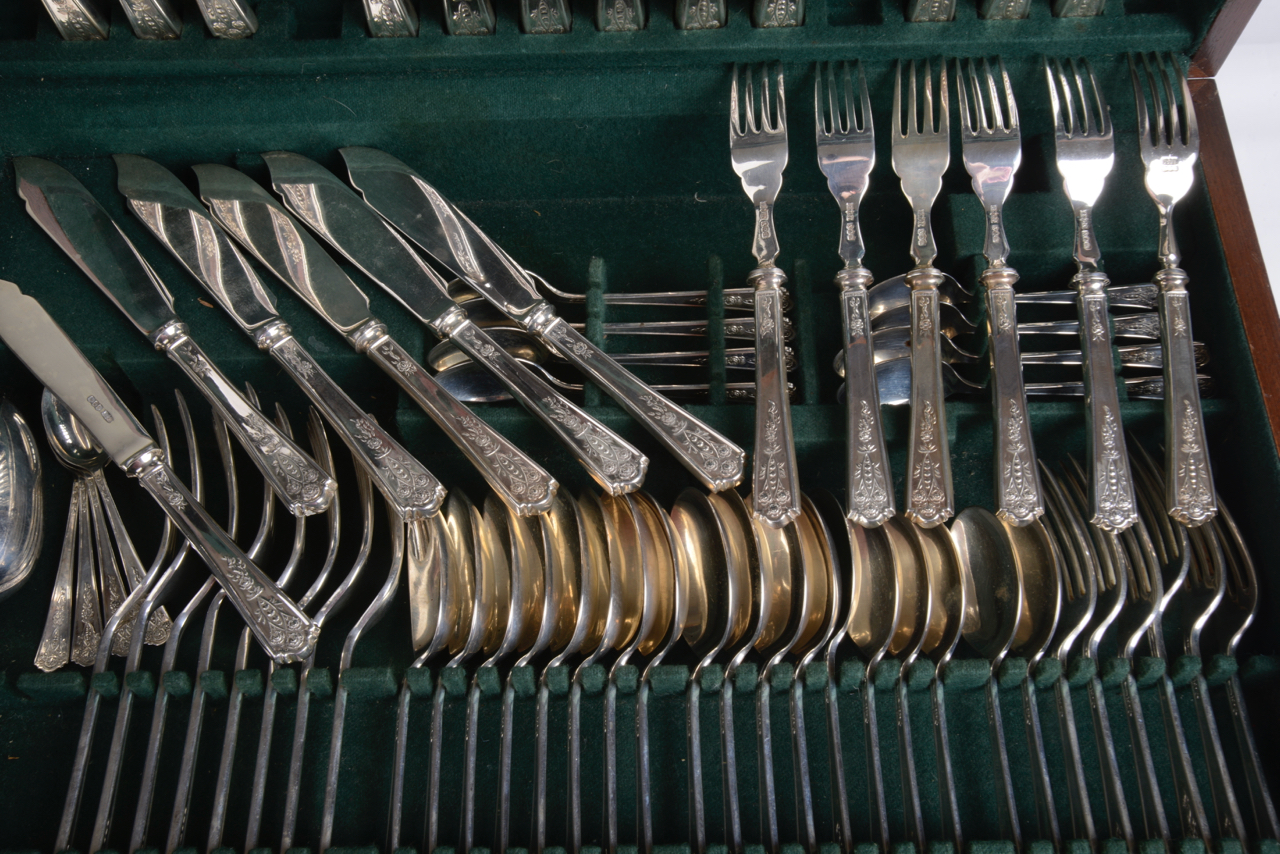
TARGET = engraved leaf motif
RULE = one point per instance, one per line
(870, 492)
(612, 459)
(1195, 486)
(295, 358)
(703, 15)
(772, 487)
(1115, 494)
(1020, 493)
(928, 493)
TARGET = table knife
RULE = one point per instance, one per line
(180, 222)
(262, 226)
(283, 629)
(77, 223)
(429, 220)
(333, 210)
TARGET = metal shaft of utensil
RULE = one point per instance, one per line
(78, 20)
(1005, 800)
(1019, 497)
(930, 500)
(1082, 826)
(153, 19)
(1046, 811)
(229, 19)
(1155, 822)
(775, 481)
(870, 483)
(391, 18)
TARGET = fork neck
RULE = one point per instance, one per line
(852, 249)
(765, 244)
(996, 247)
(923, 248)
(1170, 257)
(1088, 254)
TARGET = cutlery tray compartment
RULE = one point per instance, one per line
(601, 162)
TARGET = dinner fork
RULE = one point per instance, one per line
(846, 155)
(1169, 152)
(921, 152)
(758, 148)
(1085, 149)
(992, 139)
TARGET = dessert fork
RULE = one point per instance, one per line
(1085, 150)
(992, 141)
(1169, 151)
(846, 155)
(758, 147)
(921, 152)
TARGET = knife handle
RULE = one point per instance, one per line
(1111, 501)
(521, 482)
(1019, 498)
(414, 492)
(304, 487)
(713, 459)
(775, 483)
(930, 497)
(613, 462)
(283, 629)
(153, 19)
(870, 484)
(1189, 493)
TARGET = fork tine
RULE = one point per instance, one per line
(1100, 102)
(897, 100)
(927, 123)
(1175, 120)
(964, 81)
(943, 127)
(1055, 102)
(1011, 113)
(998, 118)
(865, 125)
(1140, 99)
(735, 119)
(752, 126)
(1188, 107)
(780, 120)
(833, 106)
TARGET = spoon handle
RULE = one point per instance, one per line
(1082, 826)
(1225, 806)
(1191, 812)
(87, 628)
(55, 643)
(1046, 811)
(913, 816)
(521, 482)
(839, 789)
(946, 776)
(1156, 824)
(281, 627)
(875, 769)
(1006, 802)
(870, 483)
(229, 19)
(610, 460)
(78, 20)
(1019, 498)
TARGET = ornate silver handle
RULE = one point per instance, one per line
(297, 479)
(414, 492)
(1111, 502)
(775, 483)
(391, 18)
(229, 19)
(283, 629)
(713, 459)
(614, 463)
(870, 484)
(1019, 498)
(468, 17)
(1189, 493)
(930, 498)
(77, 20)
(521, 482)
(153, 19)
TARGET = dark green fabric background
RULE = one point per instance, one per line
(599, 160)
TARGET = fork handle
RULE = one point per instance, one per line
(406, 484)
(521, 482)
(775, 483)
(1019, 497)
(299, 482)
(930, 497)
(614, 463)
(870, 485)
(281, 627)
(1111, 502)
(713, 459)
(1189, 493)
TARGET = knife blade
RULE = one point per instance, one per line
(77, 223)
(283, 629)
(169, 210)
(262, 226)
(431, 221)
(333, 210)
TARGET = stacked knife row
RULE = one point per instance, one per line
(81, 20)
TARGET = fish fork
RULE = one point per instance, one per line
(1169, 152)
(846, 155)
(758, 148)
(921, 153)
(1085, 148)
(992, 139)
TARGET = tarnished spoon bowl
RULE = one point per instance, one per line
(21, 501)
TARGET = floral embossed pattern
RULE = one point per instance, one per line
(928, 490)
(611, 458)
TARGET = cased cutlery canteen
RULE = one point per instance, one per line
(282, 629)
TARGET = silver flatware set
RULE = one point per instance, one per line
(557, 631)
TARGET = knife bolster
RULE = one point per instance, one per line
(540, 319)
(272, 335)
(170, 335)
(447, 324)
(368, 336)
(144, 462)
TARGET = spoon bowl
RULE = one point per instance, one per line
(21, 501)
